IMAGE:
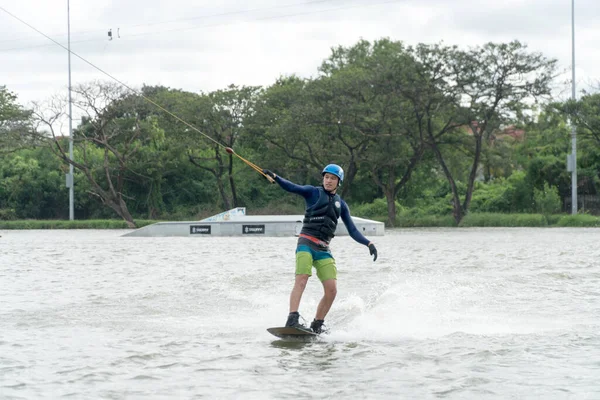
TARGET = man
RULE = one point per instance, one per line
(323, 208)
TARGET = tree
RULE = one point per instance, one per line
(279, 133)
(472, 93)
(219, 119)
(543, 153)
(367, 123)
(109, 138)
(15, 123)
(32, 185)
(497, 152)
(585, 114)
(170, 175)
(376, 109)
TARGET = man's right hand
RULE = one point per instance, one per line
(373, 251)
(269, 173)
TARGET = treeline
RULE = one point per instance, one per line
(420, 130)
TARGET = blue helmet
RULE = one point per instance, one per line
(335, 170)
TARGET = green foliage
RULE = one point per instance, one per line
(503, 195)
(578, 220)
(413, 220)
(442, 207)
(30, 185)
(547, 201)
(376, 209)
(491, 198)
(15, 122)
(7, 214)
(520, 193)
(483, 89)
(405, 122)
(77, 224)
(552, 170)
(553, 219)
(503, 220)
(585, 112)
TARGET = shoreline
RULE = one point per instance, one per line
(426, 221)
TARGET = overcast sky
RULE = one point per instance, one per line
(200, 46)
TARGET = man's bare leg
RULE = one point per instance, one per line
(329, 293)
(297, 291)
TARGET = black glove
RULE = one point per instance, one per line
(269, 173)
(373, 251)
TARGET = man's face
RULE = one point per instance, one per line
(330, 182)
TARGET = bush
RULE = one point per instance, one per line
(406, 220)
(441, 207)
(491, 197)
(376, 209)
(509, 195)
(579, 220)
(553, 219)
(66, 224)
(547, 201)
(506, 220)
(7, 214)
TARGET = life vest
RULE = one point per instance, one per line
(321, 219)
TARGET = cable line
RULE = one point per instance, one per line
(181, 19)
(216, 24)
(227, 149)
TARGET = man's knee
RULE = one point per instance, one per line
(332, 292)
(330, 288)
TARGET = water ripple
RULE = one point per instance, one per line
(444, 313)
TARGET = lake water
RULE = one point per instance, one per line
(443, 313)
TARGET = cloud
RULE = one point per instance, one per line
(204, 46)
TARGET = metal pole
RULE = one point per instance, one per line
(573, 129)
(71, 180)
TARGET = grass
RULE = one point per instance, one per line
(65, 224)
(404, 220)
(579, 220)
(416, 219)
(505, 220)
(426, 221)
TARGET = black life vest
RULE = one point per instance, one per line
(321, 219)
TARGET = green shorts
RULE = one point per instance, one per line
(323, 262)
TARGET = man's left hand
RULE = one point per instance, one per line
(269, 174)
(373, 251)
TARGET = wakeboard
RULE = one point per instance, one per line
(287, 332)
